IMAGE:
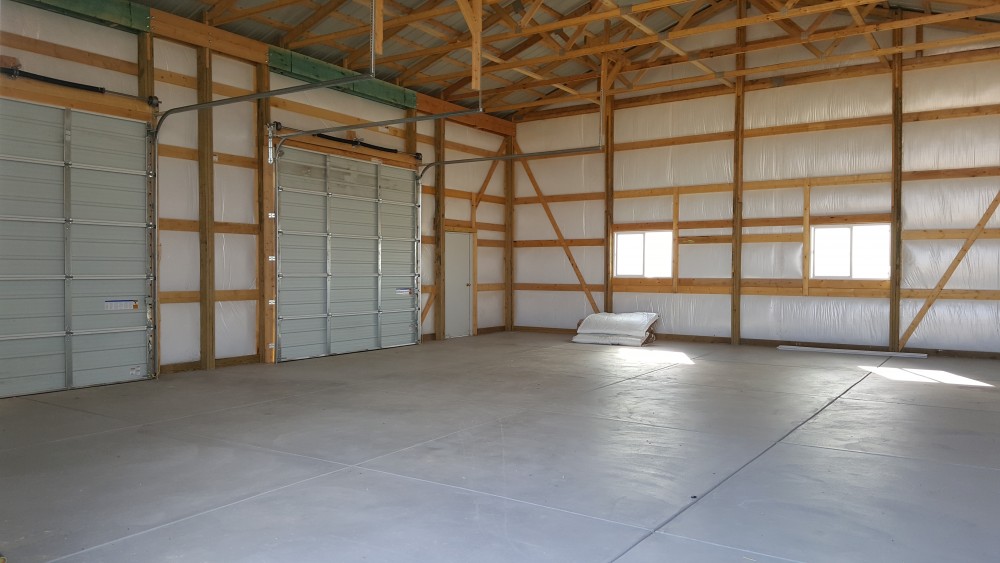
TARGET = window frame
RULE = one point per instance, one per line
(851, 226)
(670, 262)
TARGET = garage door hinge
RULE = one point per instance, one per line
(272, 215)
(271, 302)
(272, 258)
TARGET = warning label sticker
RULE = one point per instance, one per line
(121, 305)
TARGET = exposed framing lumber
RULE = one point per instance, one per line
(267, 236)
(950, 270)
(439, 230)
(206, 212)
(896, 224)
(559, 236)
(472, 11)
(737, 226)
(508, 238)
(609, 190)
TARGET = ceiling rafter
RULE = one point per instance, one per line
(311, 21)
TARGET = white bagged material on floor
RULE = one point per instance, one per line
(625, 329)
(622, 324)
(613, 339)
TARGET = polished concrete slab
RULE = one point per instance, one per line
(514, 447)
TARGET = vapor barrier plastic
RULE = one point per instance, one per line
(948, 204)
(857, 150)
(179, 252)
(490, 265)
(576, 219)
(233, 128)
(759, 204)
(181, 129)
(56, 28)
(174, 57)
(687, 117)
(819, 101)
(848, 200)
(687, 314)
(706, 207)
(954, 86)
(490, 312)
(179, 332)
(951, 143)
(178, 188)
(644, 209)
(235, 328)
(460, 209)
(226, 70)
(623, 324)
(815, 319)
(490, 213)
(924, 261)
(705, 260)
(561, 133)
(681, 165)
(235, 262)
(235, 194)
(954, 325)
(553, 309)
(564, 175)
(772, 260)
(550, 265)
(937, 34)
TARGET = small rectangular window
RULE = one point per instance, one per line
(851, 252)
(644, 254)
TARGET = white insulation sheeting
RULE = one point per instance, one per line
(687, 314)
(180, 333)
(954, 324)
(553, 309)
(27, 21)
(849, 321)
(235, 328)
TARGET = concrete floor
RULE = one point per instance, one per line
(515, 447)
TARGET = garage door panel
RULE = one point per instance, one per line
(359, 255)
(32, 249)
(353, 333)
(303, 212)
(108, 196)
(108, 142)
(31, 190)
(109, 304)
(32, 307)
(32, 365)
(303, 338)
(302, 254)
(31, 131)
(353, 295)
(302, 296)
(108, 358)
(100, 250)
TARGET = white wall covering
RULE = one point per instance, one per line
(235, 328)
(811, 319)
(178, 188)
(698, 315)
(178, 261)
(857, 150)
(809, 103)
(553, 309)
(955, 325)
(179, 333)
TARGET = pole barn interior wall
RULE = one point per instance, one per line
(819, 148)
(816, 151)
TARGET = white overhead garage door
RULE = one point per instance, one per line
(348, 255)
(75, 269)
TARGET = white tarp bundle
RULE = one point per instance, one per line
(623, 329)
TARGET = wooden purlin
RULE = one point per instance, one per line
(950, 270)
(555, 227)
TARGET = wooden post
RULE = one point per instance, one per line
(206, 211)
(410, 134)
(508, 237)
(896, 210)
(609, 191)
(439, 199)
(806, 238)
(737, 269)
(267, 236)
(147, 74)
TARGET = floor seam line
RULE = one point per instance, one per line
(742, 467)
(893, 456)
(202, 513)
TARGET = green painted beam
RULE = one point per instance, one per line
(120, 14)
(305, 68)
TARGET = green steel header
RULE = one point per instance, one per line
(120, 14)
(305, 68)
